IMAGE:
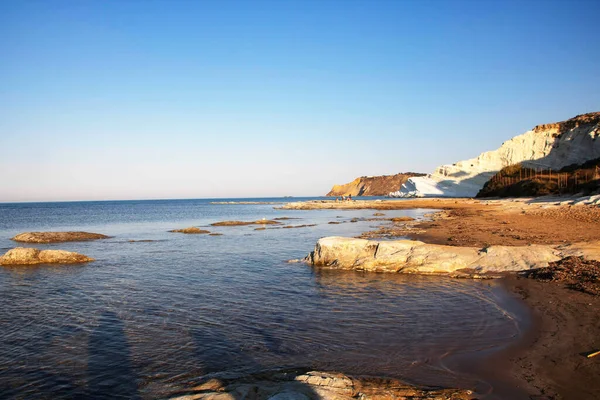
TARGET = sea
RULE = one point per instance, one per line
(157, 311)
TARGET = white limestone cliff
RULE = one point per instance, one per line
(554, 146)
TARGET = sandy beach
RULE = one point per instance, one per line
(549, 361)
(469, 222)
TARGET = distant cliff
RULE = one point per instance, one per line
(547, 147)
(372, 185)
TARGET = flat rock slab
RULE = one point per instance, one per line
(190, 230)
(56, 237)
(30, 256)
(242, 223)
(411, 256)
(313, 385)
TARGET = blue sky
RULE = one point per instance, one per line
(192, 99)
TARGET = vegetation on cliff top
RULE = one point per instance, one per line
(518, 181)
(578, 120)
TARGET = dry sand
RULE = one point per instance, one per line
(468, 222)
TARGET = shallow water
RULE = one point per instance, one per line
(148, 318)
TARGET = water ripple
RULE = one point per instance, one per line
(146, 320)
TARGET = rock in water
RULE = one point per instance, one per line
(55, 237)
(243, 223)
(192, 229)
(549, 146)
(412, 256)
(30, 256)
(298, 385)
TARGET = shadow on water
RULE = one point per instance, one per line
(110, 370)
(215, 353)
(242, 377)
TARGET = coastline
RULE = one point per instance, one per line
(505, 371)
(548, 361)
(474, 222)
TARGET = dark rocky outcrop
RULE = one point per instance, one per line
(577, 273)
(520, 181)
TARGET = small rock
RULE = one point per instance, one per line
(192, 230)
(242, 223)
(402, 219)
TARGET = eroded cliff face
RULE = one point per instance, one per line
(554, 146)
(372, 185)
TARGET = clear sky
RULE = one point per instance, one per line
(191, 99)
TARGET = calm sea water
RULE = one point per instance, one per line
(146, 319)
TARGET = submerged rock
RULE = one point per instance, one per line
(55, 237)
(402, 219)
(30, 256)
(192, 229)
(313, 385)
(242, 223)
(298, 226)
(411, 256)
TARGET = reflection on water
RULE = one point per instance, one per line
(147, 319)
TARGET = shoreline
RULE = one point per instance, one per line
(548, 360)
(474, 222)
(490, 367)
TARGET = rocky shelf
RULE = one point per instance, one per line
(412, 256)
(307, 385)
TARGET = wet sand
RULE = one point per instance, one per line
(550, 362)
